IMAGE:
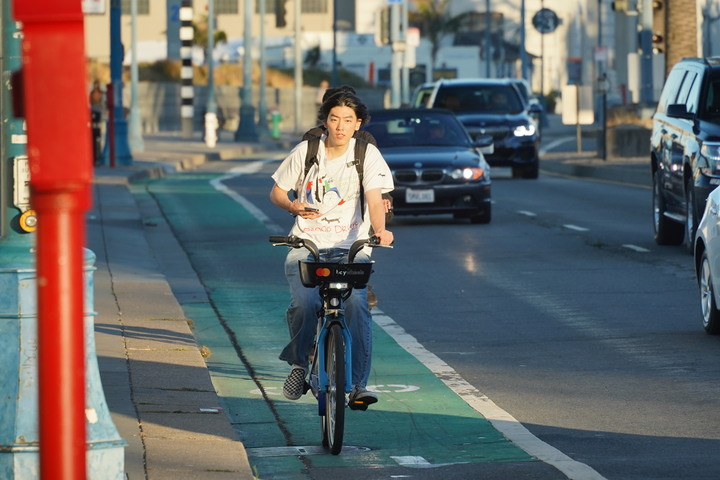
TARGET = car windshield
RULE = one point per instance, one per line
(710, 110)
(417, 129)
(494, 99)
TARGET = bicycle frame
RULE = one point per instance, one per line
(328, 319)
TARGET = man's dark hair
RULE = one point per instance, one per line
(344, 98)
(333, 90)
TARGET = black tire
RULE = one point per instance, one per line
(691, 222)
(667, 232)
(531, 171)
(484, 216)
(711, 316)
(333, 423)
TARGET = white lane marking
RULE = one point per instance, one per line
(570, 226)
(635, 248)
(499, 418)
(555, 143)
(527, 213)
(252, 167)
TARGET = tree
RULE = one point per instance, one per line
(200, 33)
(433, 19)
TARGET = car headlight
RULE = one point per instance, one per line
(524, 130)
(467, 173)
(711, 153)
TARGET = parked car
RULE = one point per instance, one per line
(436, 166)
(685, 149)
(490, 107)
(707, 263)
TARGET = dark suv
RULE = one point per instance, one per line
(685, 149)
(491, 107)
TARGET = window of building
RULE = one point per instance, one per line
(226, 6)
(143, 7)
(314, 6)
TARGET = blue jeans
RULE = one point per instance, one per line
(306, 302)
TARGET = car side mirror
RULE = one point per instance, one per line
(678, 110)
(484, 143)
(535, 108)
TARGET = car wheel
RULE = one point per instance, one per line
(691, 220)
(667, 232)
(484, 216)
(532, 171)
(711, 316)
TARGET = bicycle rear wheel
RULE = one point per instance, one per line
(333, 422)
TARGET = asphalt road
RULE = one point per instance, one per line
(562, 313)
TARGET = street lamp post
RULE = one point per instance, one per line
(211, 122)
(136, 140)
(262, 102)
(246, 130)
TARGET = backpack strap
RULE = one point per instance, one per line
(311, 154)
(360, 149)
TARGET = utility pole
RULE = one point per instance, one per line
(262, 102)
(398, 47)
(136, 139)
(117, 147)
(523, 51)
(187, 92)
(488, 38)
(246, 131)
(298, 67)
(211, 121)
(646, 53)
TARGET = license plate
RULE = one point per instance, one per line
(420, 196)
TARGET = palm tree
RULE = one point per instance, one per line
(433, 19)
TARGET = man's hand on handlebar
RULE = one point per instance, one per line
(386, 237)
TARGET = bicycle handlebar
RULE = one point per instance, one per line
(297, 242)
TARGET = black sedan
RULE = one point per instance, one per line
(437, 168)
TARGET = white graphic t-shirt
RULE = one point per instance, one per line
(333, 188)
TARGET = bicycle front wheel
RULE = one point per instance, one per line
(333, 422)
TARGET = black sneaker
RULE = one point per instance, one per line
(294, 386)
(360, 398)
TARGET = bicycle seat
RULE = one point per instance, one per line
(313, 274)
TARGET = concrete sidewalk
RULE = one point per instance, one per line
(154, 376)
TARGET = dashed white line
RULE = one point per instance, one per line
(635, 248)
(570, 226)
(501, 420)
(527, 213)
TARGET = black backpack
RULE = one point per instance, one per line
(362, 138)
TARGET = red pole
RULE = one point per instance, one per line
(58, 121)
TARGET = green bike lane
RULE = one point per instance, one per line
(419, 421)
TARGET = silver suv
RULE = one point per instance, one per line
(685, 149)
(490, 107)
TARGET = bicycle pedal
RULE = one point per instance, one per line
(358, 406)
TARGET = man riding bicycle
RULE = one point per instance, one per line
(329, 211)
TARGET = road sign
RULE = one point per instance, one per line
(545, 21)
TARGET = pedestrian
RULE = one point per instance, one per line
(97, 97)
(321, 93)
(330, 195)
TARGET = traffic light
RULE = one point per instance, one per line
(280, 13)
(658, 37)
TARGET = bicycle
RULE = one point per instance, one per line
(331, 358)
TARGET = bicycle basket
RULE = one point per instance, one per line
(313, 274)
